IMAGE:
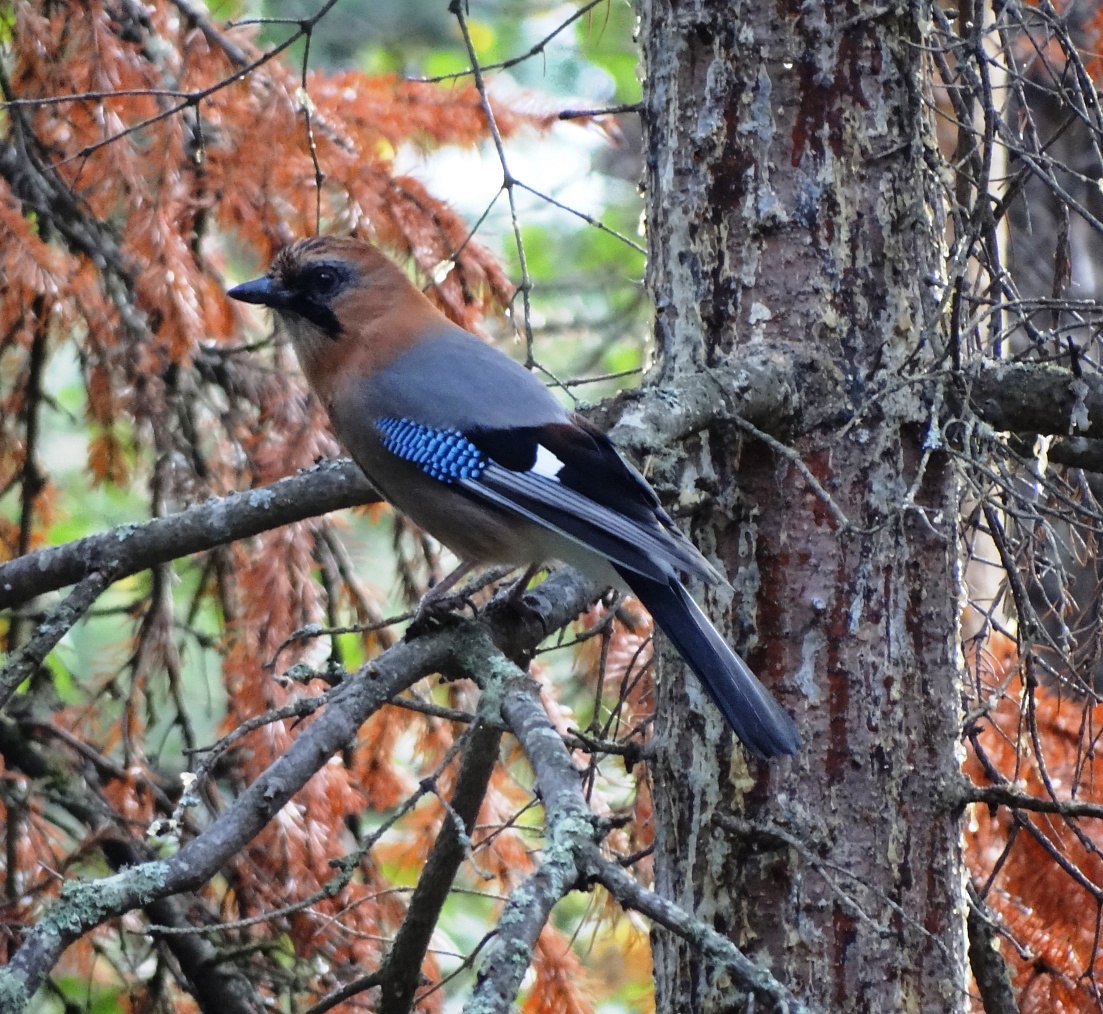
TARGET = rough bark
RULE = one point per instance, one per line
(790, 201)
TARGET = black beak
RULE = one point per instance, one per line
(261, 290)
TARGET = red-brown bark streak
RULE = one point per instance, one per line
(783, 177)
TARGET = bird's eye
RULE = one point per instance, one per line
(322, 281)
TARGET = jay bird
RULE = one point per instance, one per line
(476, 450)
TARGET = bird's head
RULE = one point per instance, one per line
(340, 301)
(311, 278)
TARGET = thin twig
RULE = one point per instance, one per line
(535, 50)
(790, 455)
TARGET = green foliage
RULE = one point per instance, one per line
(76, 993)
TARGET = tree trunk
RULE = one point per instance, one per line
(791, 199)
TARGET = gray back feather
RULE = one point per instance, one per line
(453, 379)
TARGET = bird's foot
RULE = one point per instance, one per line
(435, 611)
(514, 600)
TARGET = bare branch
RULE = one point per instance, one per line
(85, 904)
(129, 549)
(24, 661)
(572, 854)
(399, 977)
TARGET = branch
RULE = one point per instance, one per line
(197, 15)
(786, 390)
(1003, 795)
(572, 854)
(780, 389)
(399, 977)
(631, 894)
(1077, 452)
(1036, 398)
(84, 904)
(989, 968)
(129, 549)
(24, 661)
(570, 824)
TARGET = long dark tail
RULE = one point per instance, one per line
(755, 717)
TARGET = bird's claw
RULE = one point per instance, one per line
(435, 612)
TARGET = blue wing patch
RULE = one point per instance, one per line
(446, 455)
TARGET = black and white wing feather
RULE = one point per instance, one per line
(569, 479)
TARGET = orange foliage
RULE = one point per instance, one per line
(158, 203)
(1031, 863)
(560, 983)
(185, 193)
(170, 199)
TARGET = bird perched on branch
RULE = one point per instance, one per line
(475, 450)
